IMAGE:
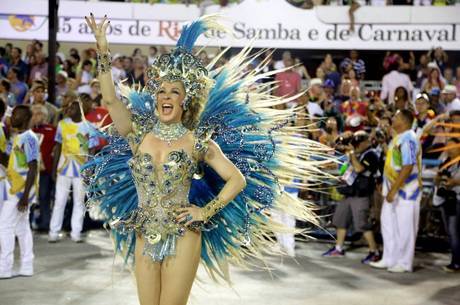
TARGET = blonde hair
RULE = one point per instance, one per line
(42, 109)
(191, 116)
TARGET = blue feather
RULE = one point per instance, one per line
(190, 34)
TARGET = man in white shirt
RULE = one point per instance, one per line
(279, 64)
(153, 53)
(315, 94)
(450, 99)
(393, 80)
(118, 73)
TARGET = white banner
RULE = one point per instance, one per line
(265, 23)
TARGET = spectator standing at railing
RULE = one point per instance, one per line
(4, 66)
(434, 79)
(402, 193)
(328, 64)
(355, 63)
(18, 87)
(46, 185)
(439, 57)
(422, 70)
(331, 132)
(447, 196)
(279, 64)
(40, 69)
(127, 64)
(354, 111)
(137, 76)
(38, 95)
(344, 92)
(435, 101)
(288, 83)
(73, 63)
(401, 100)
(303, 72)
(62, 86)
(18, 63)
(394, 79)
(457, 80)
(118, 73)
(6, 94)
(315, 98)
(153, 53)
(450, 99)
(84, 77)
(448, 76)
(425, 115)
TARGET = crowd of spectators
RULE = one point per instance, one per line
(336, 102)
(342, 114)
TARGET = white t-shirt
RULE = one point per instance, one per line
(393, 80)
(118, 74)
(314, 109)
(454, 105)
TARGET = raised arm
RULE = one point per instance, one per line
(120, 115)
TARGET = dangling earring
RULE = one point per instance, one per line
(185, 103)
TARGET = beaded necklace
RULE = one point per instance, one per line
(169, 132)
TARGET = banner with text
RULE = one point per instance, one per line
(256, 21)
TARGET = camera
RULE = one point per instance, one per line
(444, 190)
(380, 135)
(359, 137)
(342, 141)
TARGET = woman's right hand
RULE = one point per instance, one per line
(99, 31)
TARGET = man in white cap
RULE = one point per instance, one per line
(450, 99)
(118, 73)
(61, 86)
(315, 95)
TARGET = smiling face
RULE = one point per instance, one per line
(169, 101)
(421, 105)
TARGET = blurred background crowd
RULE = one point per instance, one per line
(346, 94)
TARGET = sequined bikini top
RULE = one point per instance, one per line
(167, 184)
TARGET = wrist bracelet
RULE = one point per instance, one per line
(104, 62)
(212, 208)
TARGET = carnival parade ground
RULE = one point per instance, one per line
(74, 274)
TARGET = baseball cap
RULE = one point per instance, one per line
(449, 89)
(329, 83)
(316, 81)
(63, 74)
(435, 92)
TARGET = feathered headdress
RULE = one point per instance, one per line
(182, 65)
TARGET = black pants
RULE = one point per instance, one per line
(46, 187)
(451, 218)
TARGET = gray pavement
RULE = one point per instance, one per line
(71, 274)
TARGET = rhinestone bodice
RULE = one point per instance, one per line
(166, 185)
(162, 189)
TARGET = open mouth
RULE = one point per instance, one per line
(166, 109)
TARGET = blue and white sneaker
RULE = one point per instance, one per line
(334, 252)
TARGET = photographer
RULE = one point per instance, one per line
(447, 196)
(360, 185)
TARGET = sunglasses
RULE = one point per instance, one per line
(422, 96)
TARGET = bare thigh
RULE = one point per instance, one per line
(147, 276)
(179, 271)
